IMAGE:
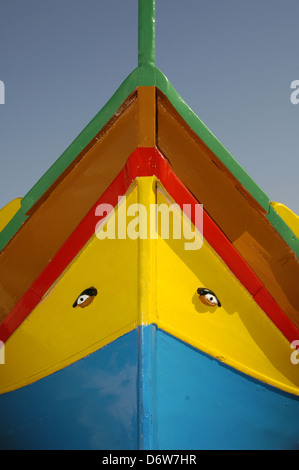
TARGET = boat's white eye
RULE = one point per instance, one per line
(208, 297)
(86, 297)
(82, 299)
(211, 298)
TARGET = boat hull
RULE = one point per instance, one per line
(149, 390)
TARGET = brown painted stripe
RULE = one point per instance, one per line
(61, 209)
(240, 217)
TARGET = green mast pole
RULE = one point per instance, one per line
(147, 33)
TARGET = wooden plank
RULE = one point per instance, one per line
(146, 116)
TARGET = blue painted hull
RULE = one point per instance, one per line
(88, 405)
(148, 390)
(203, 404)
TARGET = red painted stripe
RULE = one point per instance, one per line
(274, 312)
(63, 258)
(18, 314)
(214, 236)
(146, 162)
(79, 237)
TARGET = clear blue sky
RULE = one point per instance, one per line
(232, 61)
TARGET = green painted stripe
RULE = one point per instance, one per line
(153, 76)
(210, 140)
(227, 159)
(12, 227)
(147, 75)
(283, 229)
(83, 139)
(146, 32)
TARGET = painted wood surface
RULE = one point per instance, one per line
(146, 162)
(144, 281)
(176, 398)
(8, 212)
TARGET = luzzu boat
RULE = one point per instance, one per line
(119, 337)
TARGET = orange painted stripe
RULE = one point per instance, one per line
(146, 116)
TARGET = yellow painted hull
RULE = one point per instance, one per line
(143, 282)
